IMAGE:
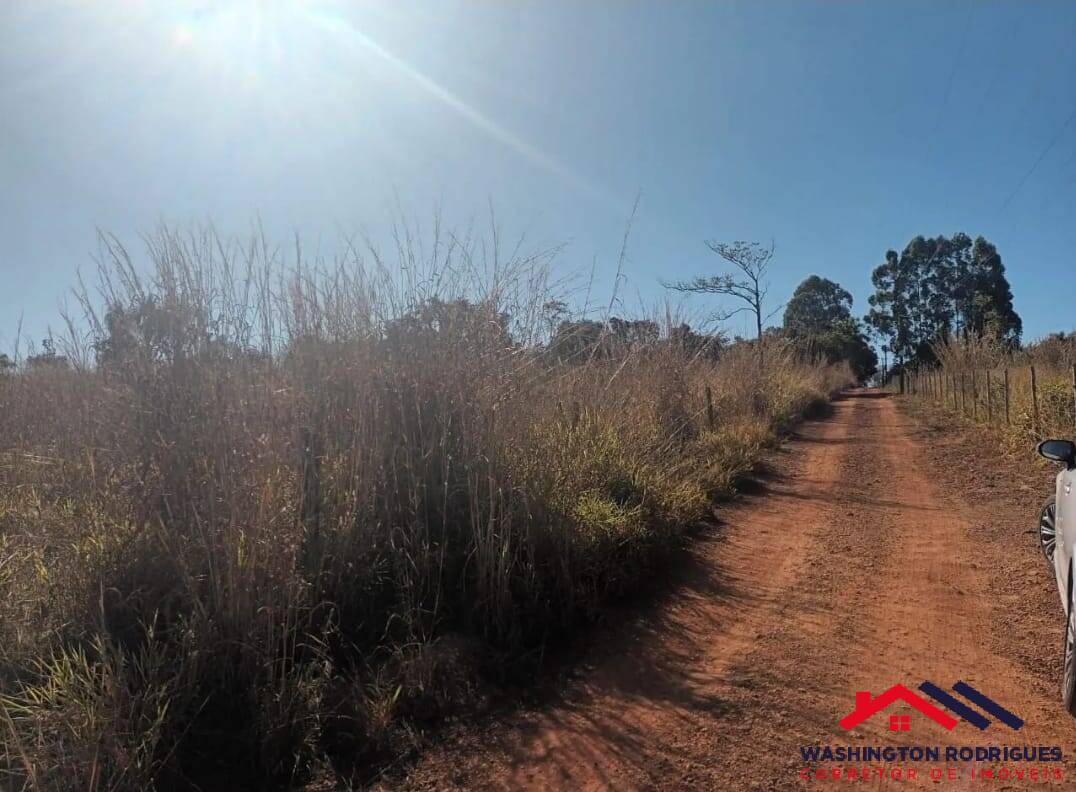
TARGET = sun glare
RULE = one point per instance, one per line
(248, 39)
(281, 53)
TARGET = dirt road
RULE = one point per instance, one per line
(857, 565)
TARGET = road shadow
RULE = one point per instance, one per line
(643, 652)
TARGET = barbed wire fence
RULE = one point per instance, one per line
(1028, 400)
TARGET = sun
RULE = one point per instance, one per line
(276, 57)
(241, 38)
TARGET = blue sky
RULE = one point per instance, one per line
(838, 129)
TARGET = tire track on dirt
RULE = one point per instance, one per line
(796, 680)
(939, 617)
(900, 593)
(852, 569)
(652, 713)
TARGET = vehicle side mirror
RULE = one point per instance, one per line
(1059, 451)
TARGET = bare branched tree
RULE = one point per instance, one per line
(749, 285)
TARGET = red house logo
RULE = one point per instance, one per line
(867, 706)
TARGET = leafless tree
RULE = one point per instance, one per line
(749, 285)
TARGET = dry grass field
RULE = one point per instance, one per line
(264, 522)
(1018, 397)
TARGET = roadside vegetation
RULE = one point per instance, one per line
(268, 522)
(1019, 395)
(937, 289)
(943, 311)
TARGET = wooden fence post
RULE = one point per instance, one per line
(709, 407)
(989, 400)
(310, 466)
(1035, 400)
(1006, 396)
(974, 395)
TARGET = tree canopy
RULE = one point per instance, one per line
(583, 339)
(47, 357)
(937, 288)
(816, 306)
(749, 285)
(819, 319)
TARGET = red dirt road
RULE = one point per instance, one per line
(859, 565)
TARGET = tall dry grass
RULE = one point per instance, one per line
(278, 518)
(983, 398)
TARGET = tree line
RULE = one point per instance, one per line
(938, 289)
(817, 320)
(935, 290)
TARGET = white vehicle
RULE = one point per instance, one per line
(1057, 536)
